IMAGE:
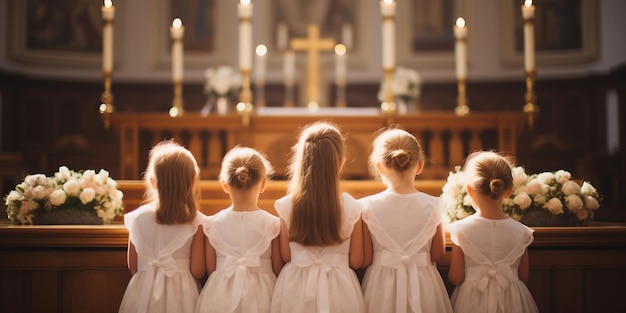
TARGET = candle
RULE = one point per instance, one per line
(528, 13)
(289, 69)
(340, 64)
(108, 13)
(177, 32)
(245, 34)
(260, 64)
(388, 10)
(460, 48)
(282, 36)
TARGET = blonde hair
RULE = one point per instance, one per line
(174, 172)
(244, 167)
(489, 173)
(315, 174)
(396, 149)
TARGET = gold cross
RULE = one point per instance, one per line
(313, 44)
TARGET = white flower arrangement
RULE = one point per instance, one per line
(87, 190)
(553, 192)
(223, 81)
(406, 85)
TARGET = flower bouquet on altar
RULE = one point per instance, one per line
(406, 88)
(68, 197)
(221, 85)
(545, 199)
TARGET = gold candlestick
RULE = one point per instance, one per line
(177, 103)
(389, 105)
(530, 108)
(244, 107)
(462, 108)
(106, 107)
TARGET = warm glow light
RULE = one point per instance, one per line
(103, 108)
(245, 2)
(460, 22)
(173, 112)
(528, 3)
(388, 1)
(261, 50)
(177, 23)
(108, 3)
(340, 49)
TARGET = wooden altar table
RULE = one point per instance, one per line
(446, 138)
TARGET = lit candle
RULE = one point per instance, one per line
(108, 13)
(340, 64)
(282, 36)
(245, 34)
(177, 32)
(260, 64)
(460, 48)
(289, 69)
(388, 10)
(528, 13)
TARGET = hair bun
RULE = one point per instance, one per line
(401, 158)
(497, 186)
(243, 174)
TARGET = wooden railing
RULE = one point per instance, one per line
(445, 137)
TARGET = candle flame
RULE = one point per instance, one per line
(177, 23)
(108, 3)
(261, 50)
(340, 49)
(460, 22)
(528, 3)
(245, 2)
(388, 1)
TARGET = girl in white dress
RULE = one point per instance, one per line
(242, 251)
(321, 235)
(489, 263)
(403, 234)
(166, 243)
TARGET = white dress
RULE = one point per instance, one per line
(243, 280)
(319, 279)
(492, 249)
(402, 278)
(163, 282)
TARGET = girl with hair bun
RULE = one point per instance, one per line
(402, 233)
(242, 246)
(489, 263)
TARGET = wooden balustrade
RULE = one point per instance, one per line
(445, 137)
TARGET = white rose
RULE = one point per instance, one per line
(117, 195)
(102, 176)
(582, 215)
(14, 196)
(573, 202)
(64, 173)
(72, 187)
(534, 187)
(562, 176)
(89, 175)
(546, 177)
(58, 197)
(591, 203)
(31, 180)
(467, 200)
(587, 189)
(450, 188)
(87, 195)
(555, 206)
(523, 200)
(39, 192)
(519, 176)
(461, 214)
(570, 188)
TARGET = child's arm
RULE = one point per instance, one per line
(197, 254)
(277, 261)
(285, 251)
(368, 248)
(523, 271)
(210, 257)
(456, 274)
(356, 245)
(131, 258)
(438, 245)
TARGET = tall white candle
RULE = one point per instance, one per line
(245, 34)
(340, 64)
(108, 14)
(282, 36)
(260, 64)
(460, 48)
(528, 13)
(177, 32)
(289, 70)
(388, 10)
